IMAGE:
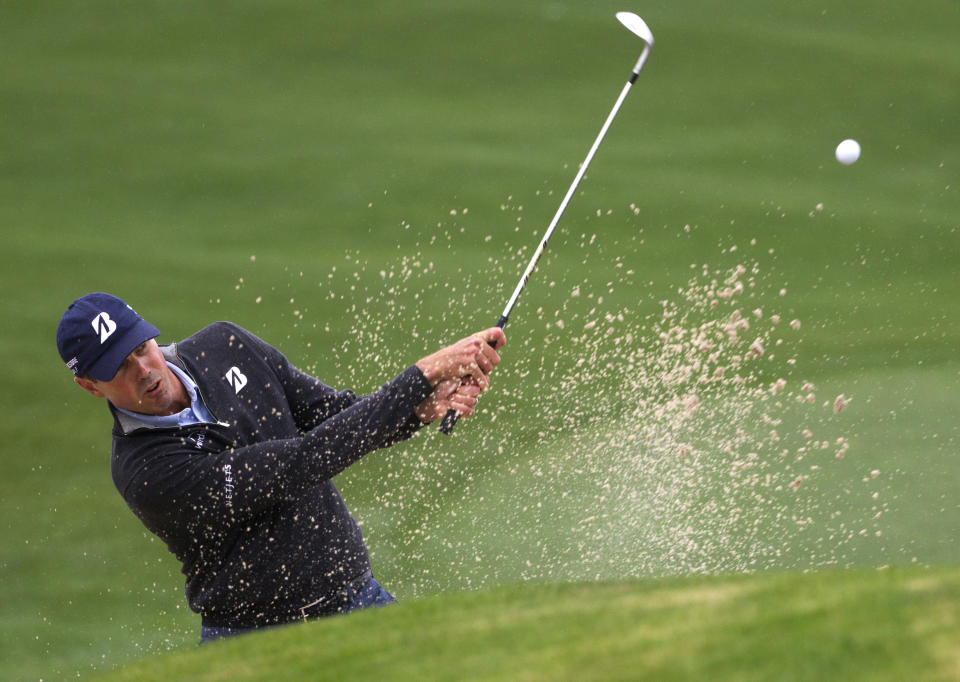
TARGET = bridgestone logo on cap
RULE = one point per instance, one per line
(104, 326)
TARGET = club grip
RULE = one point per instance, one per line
(451, 417)
(449, 421)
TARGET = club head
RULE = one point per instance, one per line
(636, 26)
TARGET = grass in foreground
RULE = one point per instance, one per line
(893, 624)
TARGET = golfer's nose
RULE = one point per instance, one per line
(141, 366)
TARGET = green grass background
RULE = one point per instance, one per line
(358, 183)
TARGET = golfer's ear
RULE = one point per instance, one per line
(89, 386)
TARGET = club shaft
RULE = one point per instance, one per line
(450, 420)
(566, 199)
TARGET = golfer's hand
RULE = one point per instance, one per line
(475, 355)
(459, 373)
(451, 394)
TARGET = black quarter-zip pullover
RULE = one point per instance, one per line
(247, 504)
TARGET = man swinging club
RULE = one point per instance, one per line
(226, 451)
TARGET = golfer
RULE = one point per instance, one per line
(226, 452)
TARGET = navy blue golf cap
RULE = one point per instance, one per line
(98, 332)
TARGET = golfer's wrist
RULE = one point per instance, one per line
(423, 414)
(429, 372)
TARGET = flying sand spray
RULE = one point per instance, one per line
(636, 26)
(711, 465)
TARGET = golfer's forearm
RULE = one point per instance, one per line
(376, 420)
(287, 468)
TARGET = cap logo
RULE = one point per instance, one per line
(72, 366)
(104, 326)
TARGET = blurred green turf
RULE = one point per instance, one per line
(358, 183)
(855, 625)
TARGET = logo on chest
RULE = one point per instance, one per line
(236, 379)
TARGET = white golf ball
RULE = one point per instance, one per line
(848, 151)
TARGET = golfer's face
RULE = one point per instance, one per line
(144, 383)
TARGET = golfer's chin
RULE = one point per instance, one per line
(157, 400)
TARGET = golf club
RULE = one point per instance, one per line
(636, 26)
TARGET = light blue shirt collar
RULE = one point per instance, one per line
(196, 413)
